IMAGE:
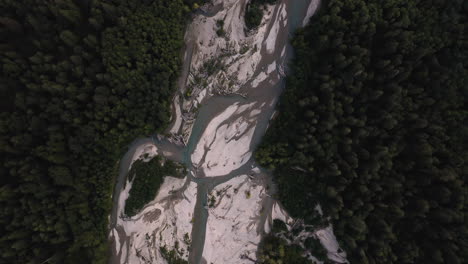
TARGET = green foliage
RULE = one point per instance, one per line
(193, 4)
(254, 12)
(314, 246)
(275, 250)
(244, 49)
(171, 256)
(372, 125)
(275, 247)
(278, 226)
(79, 81)
(220, 25)
(147, 178)
(253, 16)
(220, 32)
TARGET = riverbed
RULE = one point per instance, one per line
(219, 212)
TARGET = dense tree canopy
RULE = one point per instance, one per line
(79, 80)
(254, 12)
(146, 178)
(276, 250)
(278, 247)
(373, 125)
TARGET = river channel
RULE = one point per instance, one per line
(241, 117)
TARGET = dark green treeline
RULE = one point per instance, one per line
(79, 80)
(373, 125)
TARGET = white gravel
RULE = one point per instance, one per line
(225, 143)
(232, 223)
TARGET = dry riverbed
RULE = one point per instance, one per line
(228, 91)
